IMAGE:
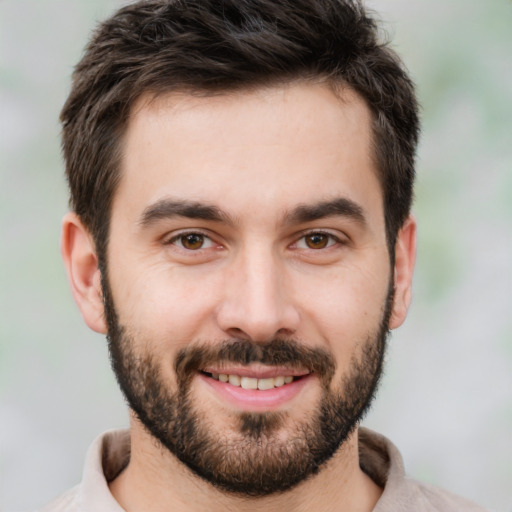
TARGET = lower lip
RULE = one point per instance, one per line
(254, 399)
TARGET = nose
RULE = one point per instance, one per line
(257, 302)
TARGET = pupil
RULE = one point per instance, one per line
(192, 241)
(317, 241)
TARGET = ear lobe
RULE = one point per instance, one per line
(79, 254)
(405, 257)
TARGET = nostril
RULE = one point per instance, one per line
(260, 322)
(285, 332)
(236, 332)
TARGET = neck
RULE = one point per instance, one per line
(155, 480)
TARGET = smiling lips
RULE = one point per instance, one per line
(256, 389)
(253, 382)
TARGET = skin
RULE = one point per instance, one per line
(255, 156)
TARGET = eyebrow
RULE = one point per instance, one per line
(168, 208)
(340, 206)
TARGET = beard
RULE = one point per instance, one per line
(259, 456)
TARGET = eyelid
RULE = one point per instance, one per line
(170, 240)
(337, 239)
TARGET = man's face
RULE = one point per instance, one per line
(248, 244)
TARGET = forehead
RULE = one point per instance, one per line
(263, 150)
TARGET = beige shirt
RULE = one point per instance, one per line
(379, 458)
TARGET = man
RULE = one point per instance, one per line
(241, 175)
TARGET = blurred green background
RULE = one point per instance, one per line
(446, 399)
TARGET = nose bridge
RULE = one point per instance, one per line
(262, 277)
(256, 302)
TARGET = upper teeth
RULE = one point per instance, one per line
(251, 382)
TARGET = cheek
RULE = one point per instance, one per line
(345, 307)
(164, 304)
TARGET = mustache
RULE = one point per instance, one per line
(277, 352)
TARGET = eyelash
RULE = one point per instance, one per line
(184, 234)
(332, 240)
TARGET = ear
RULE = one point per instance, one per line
(79, 255)
(405, 257)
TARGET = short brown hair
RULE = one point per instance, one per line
(212, 46)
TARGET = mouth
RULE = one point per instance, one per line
(255, 389)
(246, 382)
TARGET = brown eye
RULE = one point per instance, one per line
(317, 240)
(192, 241)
